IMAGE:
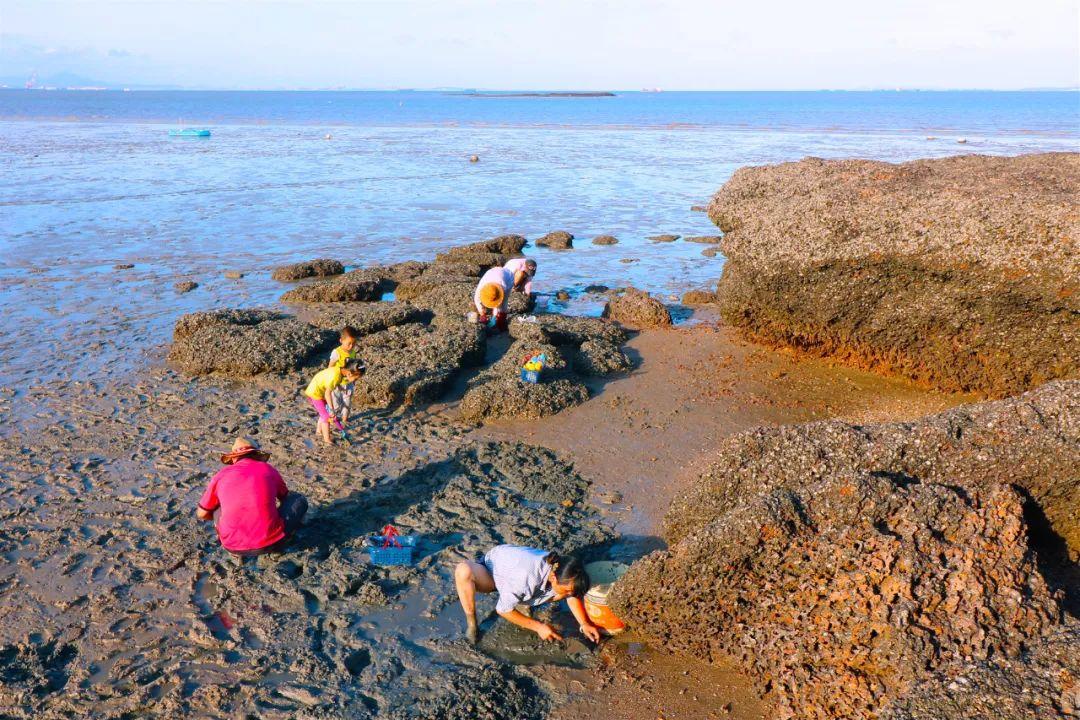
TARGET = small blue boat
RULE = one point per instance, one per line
(190, 132)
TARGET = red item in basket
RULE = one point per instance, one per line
(390, 535)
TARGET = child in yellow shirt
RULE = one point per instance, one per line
(346, 350)
(320, 390)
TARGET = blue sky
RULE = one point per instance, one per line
(717, 45)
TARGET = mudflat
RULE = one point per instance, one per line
(115, 599)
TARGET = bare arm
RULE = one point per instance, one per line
(204, 514)
(546, 632)
(577, 607)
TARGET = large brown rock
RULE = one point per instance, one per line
(851, 570)
(486, 253)
(600, 357)
(557, 240)
(242, 343)
(1039, 685)
(636, 308)
(698, 297)
(320, 267)
(499, 393)
(575, 347)
(365, 318)
(565, 329)
(959, 272)
(1031, 441)
(362, 285)
(414, 363)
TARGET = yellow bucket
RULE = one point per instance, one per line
(603, 575)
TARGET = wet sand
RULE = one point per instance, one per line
(645, 436)
(112, 597)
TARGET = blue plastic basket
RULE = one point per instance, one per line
(392, 555)
(530, 376)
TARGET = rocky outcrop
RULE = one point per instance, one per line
(558, 240)
(365, 318)
(446, 286)
(320, 267)
(414, 363)
(565, 330)
(848, 568)
(362, 285)
(499, 393)
(638, 309)
(575, 348)
(1031, 441)
(242, 343)
(487, 253)
(605, 240)
(959, 272)
(1039, 685)
(453, 298)
(599, 357)
(698, 297)
(663, 238)
(705, 239)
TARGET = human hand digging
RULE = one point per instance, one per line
(592, 632)
(546, 632)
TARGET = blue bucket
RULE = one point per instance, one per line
(530, 376)
(392, 554)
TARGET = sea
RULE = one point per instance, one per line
(91, 180)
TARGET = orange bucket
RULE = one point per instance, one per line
(603, 575)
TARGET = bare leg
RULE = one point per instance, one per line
(471, 578)
(324, 431)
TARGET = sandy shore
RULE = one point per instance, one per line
(645, 436)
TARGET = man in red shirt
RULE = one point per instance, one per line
(258, 513)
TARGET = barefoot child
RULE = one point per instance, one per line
(320, 392)
(524, 576)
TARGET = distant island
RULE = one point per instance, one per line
(567, 94)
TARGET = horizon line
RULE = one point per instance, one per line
(119, 87)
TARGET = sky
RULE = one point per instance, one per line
(546, 44)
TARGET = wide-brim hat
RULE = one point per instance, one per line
(244, 448)
(492, 296)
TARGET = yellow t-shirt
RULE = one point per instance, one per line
(323, 381)
(340, 355)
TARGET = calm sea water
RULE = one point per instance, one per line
(91, 179)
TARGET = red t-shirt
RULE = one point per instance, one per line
(247, 493)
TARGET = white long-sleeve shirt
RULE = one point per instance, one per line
(495, 276)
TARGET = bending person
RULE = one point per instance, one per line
(256, 512)
(320, 392)
(524, 576)
(524, 270)
(491, 295)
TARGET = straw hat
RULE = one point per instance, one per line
(492, 295)
(244, 448)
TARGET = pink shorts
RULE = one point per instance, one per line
(324, 412)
